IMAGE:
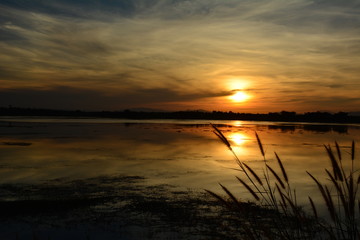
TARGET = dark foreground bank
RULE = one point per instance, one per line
(108, 208)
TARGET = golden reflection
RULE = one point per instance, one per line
(238, 123)
(238, 142)
(238, 138)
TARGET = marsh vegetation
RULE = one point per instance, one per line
(271, 190)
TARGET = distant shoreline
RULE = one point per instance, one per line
(284, 116)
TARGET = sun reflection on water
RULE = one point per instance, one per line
(238, 142)
(237, 123)
(238, 138)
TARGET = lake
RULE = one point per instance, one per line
(186, 155)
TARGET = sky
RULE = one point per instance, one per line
(227, 55)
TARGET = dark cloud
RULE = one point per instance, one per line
(10, 36)
(315, 15)
(323, 101)
(63, 97)
(300, 85)
(337, 100)
(105, 10)
(74, 9)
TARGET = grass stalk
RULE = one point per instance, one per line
(283, 171)
(276, 176)
(253, 193)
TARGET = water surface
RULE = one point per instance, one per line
(182, 153)
(144, 179)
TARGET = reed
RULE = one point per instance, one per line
(341, 195)
(289, 220)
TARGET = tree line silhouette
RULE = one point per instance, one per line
(283, 116)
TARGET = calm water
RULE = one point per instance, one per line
(186, 154)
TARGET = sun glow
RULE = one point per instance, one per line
(237, 83)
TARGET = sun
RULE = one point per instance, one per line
(239, 96)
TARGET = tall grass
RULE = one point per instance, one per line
(341, 195)
(271, 190)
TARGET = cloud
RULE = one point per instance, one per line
(63, 97)
(181, 49)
